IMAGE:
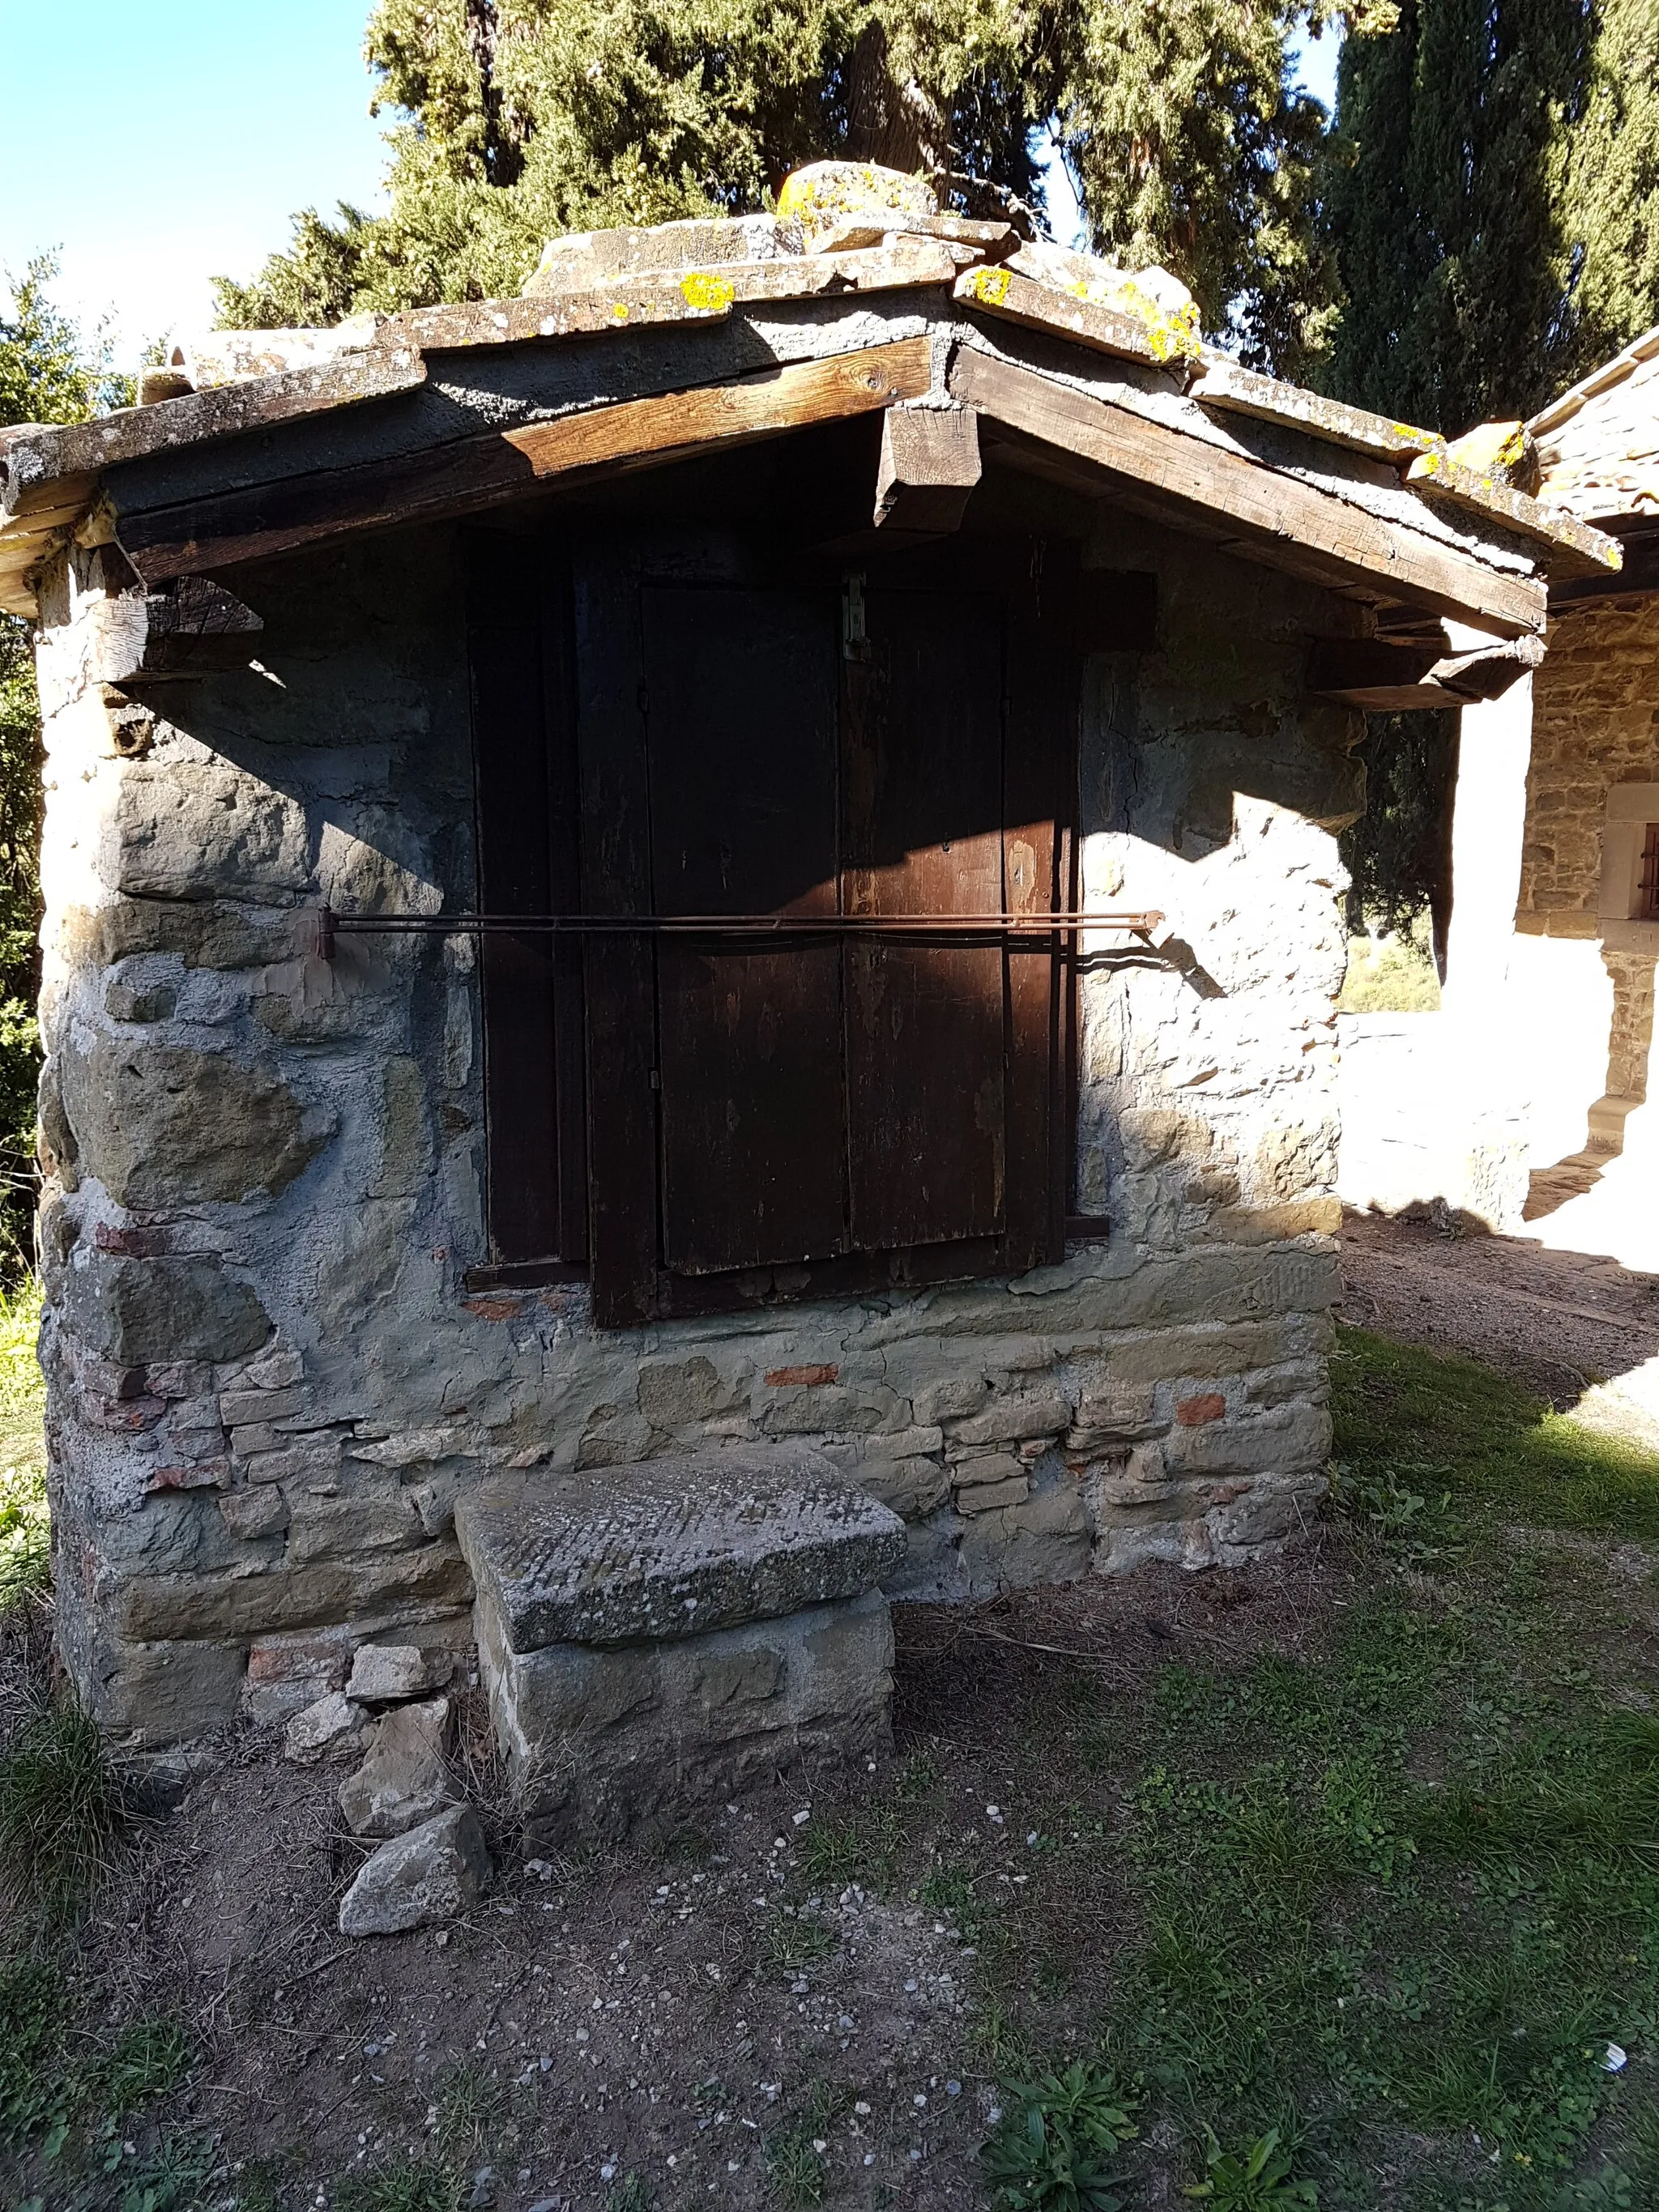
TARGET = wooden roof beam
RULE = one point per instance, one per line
(1267, 516)
(476, 473)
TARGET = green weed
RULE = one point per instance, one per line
(797, 1939)
(151, 2057)
(60, 1812)
(416, 2184)
(1055, 2149)
(834, 1853)
(630, 2194)
(37, 2094)
(1256, 2178)
(796, 2164)
(174, 2178)
(25, 1522)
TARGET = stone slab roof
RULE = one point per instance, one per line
(1599, 443)
(385, 418)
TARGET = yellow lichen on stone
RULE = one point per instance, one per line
(1491, 448)
(990, 285)
(619, 311)
(825, 194)
(709, 295)
(1174, 337)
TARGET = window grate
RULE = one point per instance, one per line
(1647, 893)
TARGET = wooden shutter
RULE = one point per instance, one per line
(926, 1044)
(524, 770)
(819, 1116)
(740, 688)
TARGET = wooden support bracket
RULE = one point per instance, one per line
(929, 466)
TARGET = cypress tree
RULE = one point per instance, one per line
(1611, 197)
(1493, 203)
(1446, 208)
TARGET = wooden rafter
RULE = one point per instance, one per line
(1267, 515)
(475, 473)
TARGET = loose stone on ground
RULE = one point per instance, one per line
(433, 1874)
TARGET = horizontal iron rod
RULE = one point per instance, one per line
(331, 924)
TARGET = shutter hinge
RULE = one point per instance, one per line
(656, 1078)
(854, 637)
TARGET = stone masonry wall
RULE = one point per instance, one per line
(1595, 723)
(267, 1384)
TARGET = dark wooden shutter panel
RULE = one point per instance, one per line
(1039, 800)
(531, 986)
(741, 700)
(926, 1023)
(619, 968)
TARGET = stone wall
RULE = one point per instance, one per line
(267, 1382)
(1595, 723)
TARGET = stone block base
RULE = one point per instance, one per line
(603, 1740)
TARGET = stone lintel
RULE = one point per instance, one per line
(671, 1547)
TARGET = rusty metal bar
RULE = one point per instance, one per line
(330, 924)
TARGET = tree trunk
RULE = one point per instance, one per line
(504, 157)
(886, 123)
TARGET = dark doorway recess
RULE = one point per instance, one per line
(669, 725)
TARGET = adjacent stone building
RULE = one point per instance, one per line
(740, 849)
(1524, 1101)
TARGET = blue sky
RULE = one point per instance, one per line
(154, 148)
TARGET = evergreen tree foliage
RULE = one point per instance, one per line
(521, 118)
(1494, 204)
(1398, 853)
(49, 373)
(1611, 214)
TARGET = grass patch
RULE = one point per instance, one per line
(1416, 1424)
(865, 1850)
(24, 1527)
(1390, 975)
(1333, 1940)
(60, 1813)
(1056, 2148)
(67, 2100)
(416, 2184)
(797, 1939)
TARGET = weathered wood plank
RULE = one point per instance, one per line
(923, 809)
(507, 611)
(1039, 802)
(741, 691)
(84, 448)
(1277, 519)
(1575, 548)
(680, 295)
(476, 473)
(253, 525)
(635, 431)
(621, 992)
(1238, 391)
(1398, 675)
(929, 466)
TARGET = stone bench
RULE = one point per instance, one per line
(654, 1636)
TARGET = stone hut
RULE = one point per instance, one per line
(736, 854)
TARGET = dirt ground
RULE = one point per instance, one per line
(1568, 1324)
(693, 2016)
